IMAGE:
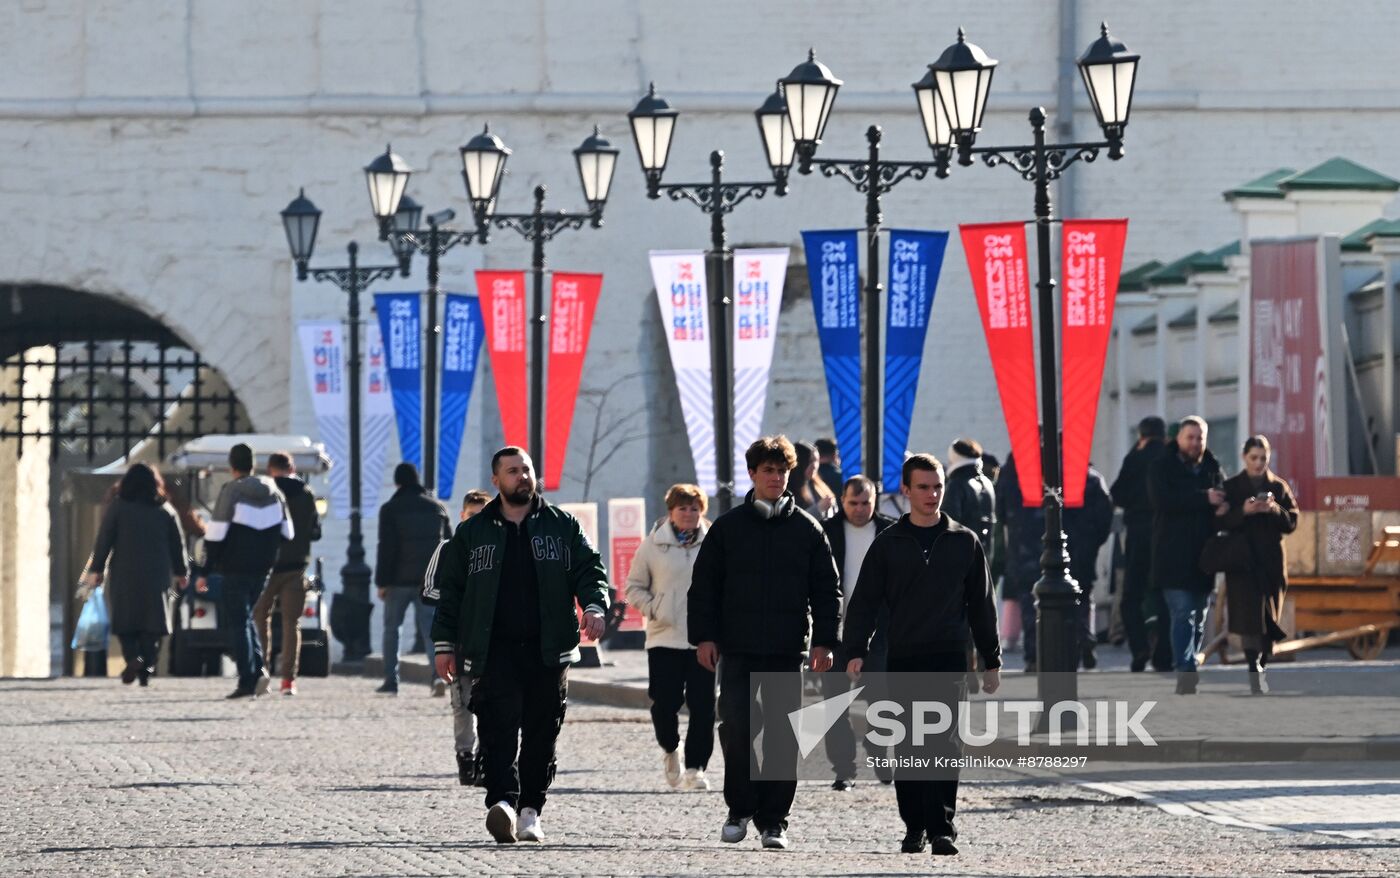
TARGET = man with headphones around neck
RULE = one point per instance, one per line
(764, 588)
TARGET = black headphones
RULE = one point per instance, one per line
(774, 509)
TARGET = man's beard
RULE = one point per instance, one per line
(522, 495)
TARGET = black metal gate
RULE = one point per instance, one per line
(99, 398)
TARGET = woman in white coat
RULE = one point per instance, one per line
(657, 585)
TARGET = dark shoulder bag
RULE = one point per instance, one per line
(1227, 551)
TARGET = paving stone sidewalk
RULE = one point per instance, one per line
(100, 779)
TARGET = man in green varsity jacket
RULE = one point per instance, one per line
(511, 577)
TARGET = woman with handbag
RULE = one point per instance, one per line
(140, 550)
(1261, 511)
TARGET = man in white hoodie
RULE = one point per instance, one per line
(658, 585)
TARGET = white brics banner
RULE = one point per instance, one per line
(323, 352)
(758, 296)
(627, 527)
(376, 421)
(679, 276)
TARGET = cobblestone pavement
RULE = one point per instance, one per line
(99, 779)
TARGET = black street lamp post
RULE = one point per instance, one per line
(484, 158)
(300, 221)
(874, 176)
(653, 123)
(963, 76)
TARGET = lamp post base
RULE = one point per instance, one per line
(1057, 646)
(351, 610)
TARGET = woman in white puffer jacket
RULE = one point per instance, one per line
(658, 585)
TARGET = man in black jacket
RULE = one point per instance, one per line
(1130, 494)
(969, 497)
(930, 574)
(851, 532)
(1185, 485)
(411, 526)
(287, 585)
(764, 566)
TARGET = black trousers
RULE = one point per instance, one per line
(841, 738)
(675, 678)
(140, 650)
(931, 805)
(768, 801)
(519, 704)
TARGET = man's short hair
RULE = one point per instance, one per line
(859, 485)
(240, 458)
(281, 461)
(771, 449)
(826, 446)
(1152, 427)
(406, 475)
(680, 494)
(968, 448)
(508, 451)
(1193, 420)
(475, 497)
(923, 462)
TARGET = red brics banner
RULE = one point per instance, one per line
(502, 296)
(574, 298)
(996, 258)
(1288, 383)
(1091, 259)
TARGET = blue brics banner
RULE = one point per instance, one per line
(833, 267)
(401, 324)
(463, 333)
(915, 261)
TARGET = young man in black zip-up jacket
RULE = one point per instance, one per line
(930, 574)
(764, 585)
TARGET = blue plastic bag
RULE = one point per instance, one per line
(94, 626)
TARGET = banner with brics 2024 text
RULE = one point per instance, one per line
(462, 333)
(1091, 259)
(916, 258)
(679, 276)
(758, 296)
(401, 325)
(573, 301)
(996, 259)
(502, 295)
(833, 268)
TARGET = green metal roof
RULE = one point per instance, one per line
(1229, 314)
(1184, 320)
(1135, 281)
(1174, 272)
(1340, 173)
(1387, 229)
(1146, 327)
(1215, 259)
(1261, 187)
(1357, 239)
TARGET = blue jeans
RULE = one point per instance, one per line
(396, 604)
(237, 594)
(1188, 611)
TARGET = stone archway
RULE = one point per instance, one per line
(86, 382)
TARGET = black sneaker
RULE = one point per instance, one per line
(914, 842)
(387, 689)
(240, 692)
(466, 768)
(735, 829)
(1139, 664)
(943, 846)
(774, 838)
(841, 784)
(1087, 659)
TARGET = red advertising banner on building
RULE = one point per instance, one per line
(502, 295)
(627, 527)
(996, 259)
(573, 300)
(1288, 390)
(1091, 260)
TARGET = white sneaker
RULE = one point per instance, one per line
(671, 763)
(500, 822)
(528, 827)
(439, 687)
(694, 779)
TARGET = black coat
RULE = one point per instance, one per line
(764, 586)
(1087, 528)
(295, 553)
(932, 603)
(411, 525)
(971, 500)
(141, 549)
(1255, 599)
(1130, 488)
(1182, 519)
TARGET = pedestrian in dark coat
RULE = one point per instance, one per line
(1260, 505)
(140, 553)
(1139, 601)
(1185, 487)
